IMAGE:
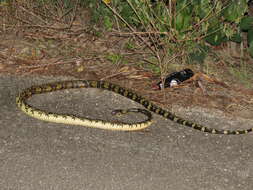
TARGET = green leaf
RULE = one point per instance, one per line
(216, 39)
(183, 21)
(250, 41)
(246, 23)
(202, 8)
(236, 38)
(235, 10)
(108, 23)
(251, 49)
(181, 4)
(184, 15)
(250, 36)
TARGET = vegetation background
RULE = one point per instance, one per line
(136, 43)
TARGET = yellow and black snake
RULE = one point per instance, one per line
(70, 119)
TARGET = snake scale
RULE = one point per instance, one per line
(21, 101)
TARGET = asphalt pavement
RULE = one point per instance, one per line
(41, 155)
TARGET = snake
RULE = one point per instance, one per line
(23, 96)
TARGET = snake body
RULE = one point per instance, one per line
(21, 101)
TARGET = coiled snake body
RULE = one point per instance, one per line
(70, 119)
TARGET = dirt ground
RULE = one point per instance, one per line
(88, 56)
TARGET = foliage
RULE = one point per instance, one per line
(178, 30)
(246, 25)
(173, 30)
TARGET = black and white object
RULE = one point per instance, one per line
(175, 79)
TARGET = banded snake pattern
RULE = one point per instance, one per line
(21, 101)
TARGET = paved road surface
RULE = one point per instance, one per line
(41, 155)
